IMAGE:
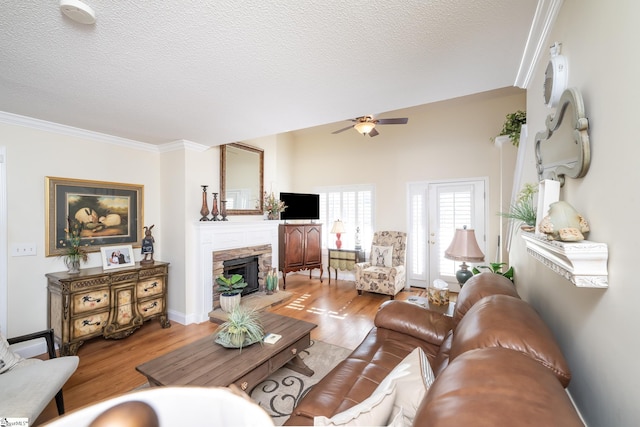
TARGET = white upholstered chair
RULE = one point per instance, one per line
(385, 271)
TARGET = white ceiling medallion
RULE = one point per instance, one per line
(556, 76)
(78, 11)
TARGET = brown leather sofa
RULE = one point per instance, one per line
(495, 363)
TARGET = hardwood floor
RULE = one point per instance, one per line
(107, 367)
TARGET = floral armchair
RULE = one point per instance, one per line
(385, 272)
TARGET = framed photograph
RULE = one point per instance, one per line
(109, 213)
(117, 256)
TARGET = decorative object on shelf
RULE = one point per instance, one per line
(204, 210)
(357, 239)
(223, 210)
(273, 206)
(74, 250)
(438, 294)
(110, 213)
(147, 245)
(215, 214)
(230, 289)
(338, 229)
(117, 257)
(494, 267)
(524, 209)
(512, 126)
(464, 247)
(564, 151)
(564, 223)
(242, 328)
(271, 281)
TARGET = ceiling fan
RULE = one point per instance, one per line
(366, 125)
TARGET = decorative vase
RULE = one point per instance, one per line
(229, 301)
(272, 282)
(223, 210)
(72, 264)
(273, 215)
(204, 211)
(214, 208)
(237, 340)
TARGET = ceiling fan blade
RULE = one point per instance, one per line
(396, 121)
(342, 130)
(373, 132)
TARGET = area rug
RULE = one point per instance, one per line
(279, 393)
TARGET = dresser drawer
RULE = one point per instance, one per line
(253, 378)
(83, 302)
(150, 287)
(280, 359)
(151, 307)
(81, 285)
(89, 325)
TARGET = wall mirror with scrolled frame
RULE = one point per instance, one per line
(563, 148)
(241, 178)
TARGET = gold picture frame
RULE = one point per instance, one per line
(111, 213)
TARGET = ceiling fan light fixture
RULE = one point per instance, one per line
(364, 127)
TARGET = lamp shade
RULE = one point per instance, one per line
(338, 227)
(464, 247)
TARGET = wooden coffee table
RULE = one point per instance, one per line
(208, 364)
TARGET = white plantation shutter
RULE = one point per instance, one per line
(353, 205)
(454, 211)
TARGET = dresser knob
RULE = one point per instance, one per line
(294, 350)
(244, 386)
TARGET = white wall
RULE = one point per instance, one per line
(597, 328)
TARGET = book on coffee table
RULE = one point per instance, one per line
(272, 338)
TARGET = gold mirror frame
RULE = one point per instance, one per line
(251, 158)
(573, 167)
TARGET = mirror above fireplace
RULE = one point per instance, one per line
(241, 179)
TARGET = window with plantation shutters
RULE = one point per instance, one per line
(353, 205)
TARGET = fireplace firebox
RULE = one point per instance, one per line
(247, 267)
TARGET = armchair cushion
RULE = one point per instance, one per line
(381, 255)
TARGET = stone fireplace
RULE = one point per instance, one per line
(232, 260)
(218, 241)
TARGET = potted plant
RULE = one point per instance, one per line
(74, 252)
(523, 209)
(230, 289)
(242, 328)
(512, 126)
(272, 206)
(495, 267)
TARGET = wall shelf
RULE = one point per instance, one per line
(583, 263)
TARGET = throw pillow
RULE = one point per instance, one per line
(412, 388)
(373, 411)
(382, 256)
(8, 359)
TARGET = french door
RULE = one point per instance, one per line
(436, 209)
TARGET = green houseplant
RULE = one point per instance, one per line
(494, 267)
(512, 125)
(242, 328)
(523, 210)
(230, 289)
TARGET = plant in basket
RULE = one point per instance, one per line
(230, 289)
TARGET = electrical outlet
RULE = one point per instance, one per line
(23, 249)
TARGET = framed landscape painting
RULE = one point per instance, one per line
(108, 213)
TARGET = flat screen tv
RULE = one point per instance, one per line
(300, 206)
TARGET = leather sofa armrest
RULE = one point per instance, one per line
(413, 320)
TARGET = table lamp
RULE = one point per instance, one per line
(464, 247)
(337, 229)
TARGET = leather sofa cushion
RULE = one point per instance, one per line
(355, 378)
(480, 286)
(496, 387)
(413, 320)
(508, 322)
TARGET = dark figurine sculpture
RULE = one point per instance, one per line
(147, 246)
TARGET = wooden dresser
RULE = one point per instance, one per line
(111, 303)
(299, 248)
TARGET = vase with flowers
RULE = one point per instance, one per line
(272, 206)
(74, 252)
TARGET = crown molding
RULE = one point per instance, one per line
(183, 144)
(545, 17)
(30, 122)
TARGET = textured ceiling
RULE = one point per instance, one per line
(213, 72)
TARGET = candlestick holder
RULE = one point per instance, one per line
(204, 210)
(214, 208)
(223, 210)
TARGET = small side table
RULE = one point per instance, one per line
(446, 309)
(344, 259)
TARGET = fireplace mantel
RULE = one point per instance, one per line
(220, 235)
